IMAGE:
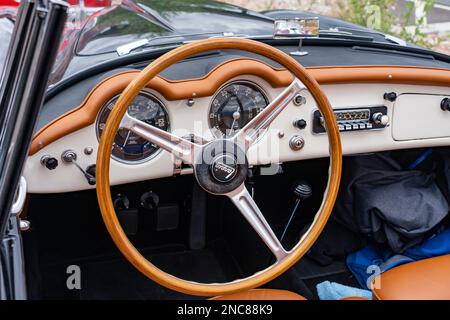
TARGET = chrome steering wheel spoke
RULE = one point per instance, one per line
(189, 152)
(249, 209)
(179, 147)
(250, 133)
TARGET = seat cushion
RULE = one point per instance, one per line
(427, 279)
(354, 298)
(262, 294)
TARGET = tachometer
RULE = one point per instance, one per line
(127, 146)
(234, 106)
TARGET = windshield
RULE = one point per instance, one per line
(103, 30)
(149, 19)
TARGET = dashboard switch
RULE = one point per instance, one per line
(70, 157)
(390, 96)
(299, 100)
(296, 143)
(49, 162)
(445, 104)
(301, 124)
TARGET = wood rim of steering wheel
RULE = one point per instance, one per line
(104, 154)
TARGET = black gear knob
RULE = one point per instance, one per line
(302, 189)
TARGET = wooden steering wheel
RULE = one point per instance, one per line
(220, 166)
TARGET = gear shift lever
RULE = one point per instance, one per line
(302, 191)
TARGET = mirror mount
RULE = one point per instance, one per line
(297, 28)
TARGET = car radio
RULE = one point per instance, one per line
(354, 119)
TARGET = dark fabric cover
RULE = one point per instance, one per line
(336, 241)
(391, 205)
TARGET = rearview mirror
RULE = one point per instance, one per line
(296, 28)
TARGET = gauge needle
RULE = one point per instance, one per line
(126, 139)
(236, 116)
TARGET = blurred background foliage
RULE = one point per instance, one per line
(402, 18)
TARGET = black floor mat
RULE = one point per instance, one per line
(309, 269)
(116, 278)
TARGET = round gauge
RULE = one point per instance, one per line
(127, 146)
(234, 106)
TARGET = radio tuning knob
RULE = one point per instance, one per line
(380, 118)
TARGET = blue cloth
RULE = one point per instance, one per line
(360, 261)
(420, 159)
(334, 291)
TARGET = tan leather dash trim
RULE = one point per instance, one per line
(86, 113)
(382, 74)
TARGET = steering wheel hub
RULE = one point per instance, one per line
(221, 167)
(224, 168)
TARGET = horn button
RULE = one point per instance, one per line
(222, 167)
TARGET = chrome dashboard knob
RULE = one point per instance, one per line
(380, 118)
(296, 143)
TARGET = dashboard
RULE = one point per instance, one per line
(377, 108)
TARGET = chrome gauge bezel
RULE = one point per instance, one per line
(153, 154)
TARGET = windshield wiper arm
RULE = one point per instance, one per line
(129, 47)
(333, 33)
(387, 37)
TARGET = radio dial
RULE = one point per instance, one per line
(354, 119)
(380, 118)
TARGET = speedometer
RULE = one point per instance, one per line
(127, 146)
(234, 106)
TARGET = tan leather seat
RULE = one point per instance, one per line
(427, 279)
(262, 294)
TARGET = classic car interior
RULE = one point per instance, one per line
(120, 148)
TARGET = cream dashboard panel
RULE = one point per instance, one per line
(273, 147)
(344, 96)
(184, 120)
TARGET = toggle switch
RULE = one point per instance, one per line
(70, 157)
